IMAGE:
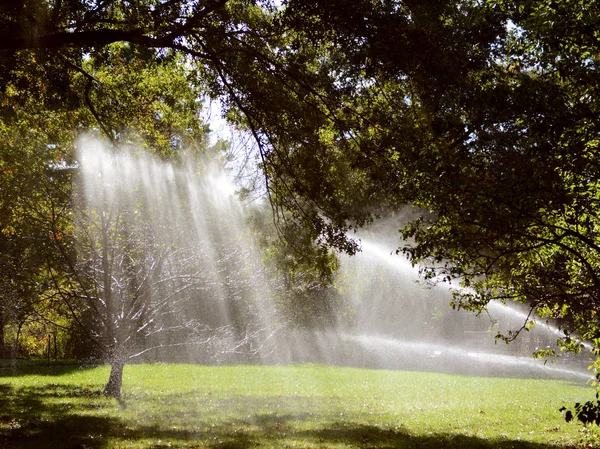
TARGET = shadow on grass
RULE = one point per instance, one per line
(366, 436)
(38, 418)
(15, 368)
(58, 416)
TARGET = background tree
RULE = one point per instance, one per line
(122, 93)
(34, 133)
(303, 273)
(139, 265)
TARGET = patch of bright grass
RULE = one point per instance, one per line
(306, 406)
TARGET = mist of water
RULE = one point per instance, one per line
(186, 277)
(179, 232)
(404, 323)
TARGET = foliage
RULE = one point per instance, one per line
(131, 95)
(32, 214)
(481, 115)
(482, 118)
(304, 273)
(586, 413)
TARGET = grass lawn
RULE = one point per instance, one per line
(305, 406)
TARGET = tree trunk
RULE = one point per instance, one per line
(3, 351)
(115, 379)
(16, 350)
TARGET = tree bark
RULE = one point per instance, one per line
(3, 351)
(16, 350)
(115, 379)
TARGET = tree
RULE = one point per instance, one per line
(482, 116)
(238, 52)
(121, 92)
(32, 192)
(488, 125)
(156, 260)
(303, 273)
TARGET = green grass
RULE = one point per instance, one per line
(305, 406)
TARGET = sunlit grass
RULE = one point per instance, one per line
(305, 406)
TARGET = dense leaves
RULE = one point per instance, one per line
(490, 128)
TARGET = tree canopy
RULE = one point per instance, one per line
(480, 116)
